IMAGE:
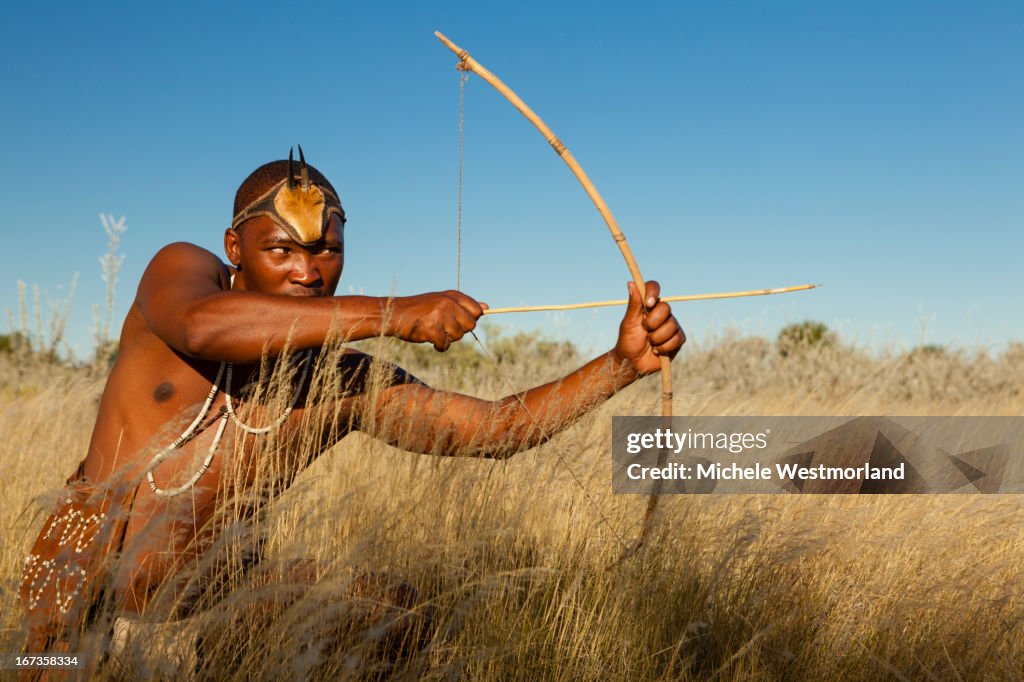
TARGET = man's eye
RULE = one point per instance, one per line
(279, 249)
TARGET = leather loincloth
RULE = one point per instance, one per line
(66, 577)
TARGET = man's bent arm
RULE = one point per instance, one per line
(183, 300)
(417, 418)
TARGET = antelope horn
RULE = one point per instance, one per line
(291, 170)
(305, 170)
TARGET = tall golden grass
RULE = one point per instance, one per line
(508, 558)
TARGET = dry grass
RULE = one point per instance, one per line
(510, 557)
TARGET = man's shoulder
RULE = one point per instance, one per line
(182, 258)
(185, 252)
(181, 269)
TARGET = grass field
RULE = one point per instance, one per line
(509, 558)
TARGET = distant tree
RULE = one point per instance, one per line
(803, 335)
(14, 342)
(925, 352)
(531, 345)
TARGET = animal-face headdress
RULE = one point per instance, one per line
(301, 208)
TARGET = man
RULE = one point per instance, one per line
(197, 325)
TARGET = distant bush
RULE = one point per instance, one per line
(38, 331)
(801, 335)
(13, 343)
(35, 336)
(926, 352)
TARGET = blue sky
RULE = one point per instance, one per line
(875, 147)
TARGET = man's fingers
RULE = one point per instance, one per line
(672, 345)
(455, 330)
(469, 304)
(445, 335)
(652, 292)
(465, 320)
(443, 343)
(657, 316)
(454, 318)
(662, 334)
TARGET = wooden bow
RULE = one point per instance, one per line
(467, 63)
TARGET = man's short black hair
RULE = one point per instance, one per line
(268, 175)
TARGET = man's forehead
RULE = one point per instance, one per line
(263, 229)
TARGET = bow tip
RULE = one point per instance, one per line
(447, 43)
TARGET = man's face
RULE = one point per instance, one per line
(272, 262)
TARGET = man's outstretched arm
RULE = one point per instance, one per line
(183, 299)
(415, 417)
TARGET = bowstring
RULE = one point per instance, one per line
(463, 77)
(503, 376)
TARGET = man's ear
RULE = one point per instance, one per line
(233, 246)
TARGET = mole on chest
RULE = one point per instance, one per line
(163, 392)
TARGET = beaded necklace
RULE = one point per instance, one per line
(229, 413)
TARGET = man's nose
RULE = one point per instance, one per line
(306, 271)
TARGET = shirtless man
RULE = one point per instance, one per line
(192, 317)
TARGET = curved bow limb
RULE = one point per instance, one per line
(467, 63)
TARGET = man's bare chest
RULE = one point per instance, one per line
(246, 410)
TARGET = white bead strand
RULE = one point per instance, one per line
(284, 416)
